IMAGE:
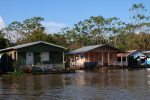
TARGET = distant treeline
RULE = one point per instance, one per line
(91, 31)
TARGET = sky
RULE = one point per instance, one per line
(64, 13)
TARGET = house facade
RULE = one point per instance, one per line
(147, 53)
(131, 58)
(96, 55)
(36, 52)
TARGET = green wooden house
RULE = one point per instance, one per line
(36, 52)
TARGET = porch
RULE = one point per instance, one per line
(34, 58)
(97, 59)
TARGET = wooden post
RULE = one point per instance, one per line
(98, 58)
(16, 61)
(88, 57)
(102, 59)
(74, 60)
(70, 61)
(83, 59)
(114, 59)
(126, 60)
(15, 56)
(121, 59)
(108, 58)
(63, 58)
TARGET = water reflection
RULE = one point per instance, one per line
(113, 84)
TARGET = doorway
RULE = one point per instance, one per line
(29, 58)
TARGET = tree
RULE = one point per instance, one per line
(140, 19)
(37, 35)
(138, 11)
(3, 41)
(21, 30)
(94, 30)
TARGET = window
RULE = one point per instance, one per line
(29, 54)
(81, 56)
(124, 59)
(119, 59)
(45, 56)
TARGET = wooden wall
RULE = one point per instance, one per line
(105, 55)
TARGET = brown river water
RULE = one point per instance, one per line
(110, 84)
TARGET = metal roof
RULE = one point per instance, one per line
(85, 49)
(130, 53)
(30, 44)
(127, 53)
(146, 51)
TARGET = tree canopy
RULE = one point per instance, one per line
(91, 31)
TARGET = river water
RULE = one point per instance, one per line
(109, 84)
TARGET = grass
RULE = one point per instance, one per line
(16, 73)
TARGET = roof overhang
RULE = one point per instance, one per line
(27, 45)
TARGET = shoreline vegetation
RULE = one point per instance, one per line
(40, 69)
(65, 71)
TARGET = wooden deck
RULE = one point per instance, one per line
(56, 72)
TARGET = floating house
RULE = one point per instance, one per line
(132, 58)
(96, 55)
(35, 52)
(147, 53)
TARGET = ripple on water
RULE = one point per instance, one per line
(115, 84)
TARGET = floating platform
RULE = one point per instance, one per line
(55, 72)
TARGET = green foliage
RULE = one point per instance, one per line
(100, 30)
(22, 30)
(91, 31)
(121, 47)
(3, 41)
(17, 73)
(138, 11)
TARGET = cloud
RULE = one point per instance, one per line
(2, 25)
(53, 27)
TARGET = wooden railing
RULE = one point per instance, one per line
(113, 63)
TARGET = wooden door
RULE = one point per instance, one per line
(29, 58)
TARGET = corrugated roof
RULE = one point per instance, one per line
(30, 44)
(127, 53)
(85, 49)
(146, 51)
(131, 52)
